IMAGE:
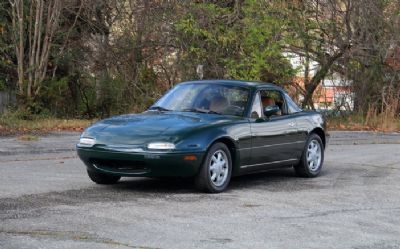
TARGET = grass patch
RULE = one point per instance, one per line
(11, 124)
(28, 137)
(357, 122)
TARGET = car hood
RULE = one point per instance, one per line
(152, 126)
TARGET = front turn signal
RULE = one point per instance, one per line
(190, 158)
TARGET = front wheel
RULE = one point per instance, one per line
(101, 178)
(311, 161)
(215, 172)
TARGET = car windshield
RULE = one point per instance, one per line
(204, 98)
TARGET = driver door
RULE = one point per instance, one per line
(273, 138)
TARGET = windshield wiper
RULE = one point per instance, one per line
(194, 110)
(159, 108)
(199, 110)
(213, 112)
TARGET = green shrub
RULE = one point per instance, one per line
(2, 85)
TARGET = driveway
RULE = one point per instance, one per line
(47, 201)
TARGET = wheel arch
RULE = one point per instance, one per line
(321, 133)
(230, 143)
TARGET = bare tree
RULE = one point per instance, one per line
(321, 31)
(35, 24)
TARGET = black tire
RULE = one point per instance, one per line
(203, 180)
(101, 178)
(302, 168)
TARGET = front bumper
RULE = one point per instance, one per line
(148, 164)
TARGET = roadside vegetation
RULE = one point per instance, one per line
(357, 122)
(71, 62)
(12, 123)
(384, 118)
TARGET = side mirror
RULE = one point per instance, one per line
(271, 110)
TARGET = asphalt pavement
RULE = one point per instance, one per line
(47, 201)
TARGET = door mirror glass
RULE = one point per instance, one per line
(271, 110)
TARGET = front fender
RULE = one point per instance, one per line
(234, 136)
(201, 140)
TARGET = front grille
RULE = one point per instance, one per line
(119, 165)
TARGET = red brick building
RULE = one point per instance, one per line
(332, 93)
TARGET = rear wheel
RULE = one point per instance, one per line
(101, 178)
(311, 161)
(216, 170)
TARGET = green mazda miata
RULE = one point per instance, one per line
(210, 130)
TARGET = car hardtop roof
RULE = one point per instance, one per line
(242, 83)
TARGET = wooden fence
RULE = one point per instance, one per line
(6, 99)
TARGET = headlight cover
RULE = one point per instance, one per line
(161, 146)
(86, 142)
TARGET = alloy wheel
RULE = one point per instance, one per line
(218, 168)
(314, 155)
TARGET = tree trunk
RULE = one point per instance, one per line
(43, 17)
(17, 16)
(318, 77)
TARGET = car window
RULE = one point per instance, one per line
(207, 98)
(256, 111)
(273, 98)
(181, 99)
(292, 107)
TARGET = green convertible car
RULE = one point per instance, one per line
(210, 130)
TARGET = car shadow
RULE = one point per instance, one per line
(272, 180)
(170, 189)
(155, 185)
